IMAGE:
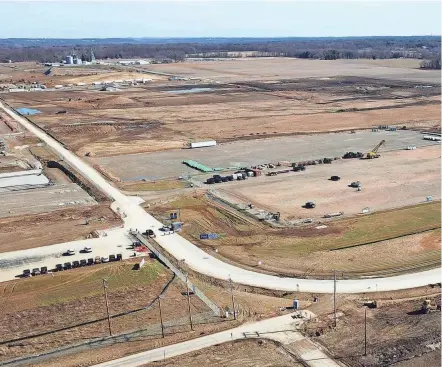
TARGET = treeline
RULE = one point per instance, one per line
(431, 64)
(425, 47)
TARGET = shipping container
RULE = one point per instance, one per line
(202, 144)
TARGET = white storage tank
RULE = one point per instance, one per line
(78, 61)
(69, 60)
(203, 144)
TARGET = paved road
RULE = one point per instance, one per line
(282, 329)
(180, 248)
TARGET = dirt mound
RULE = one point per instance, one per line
(115, 101)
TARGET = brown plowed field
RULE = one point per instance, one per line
(155, 117)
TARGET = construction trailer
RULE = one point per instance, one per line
(202, 144)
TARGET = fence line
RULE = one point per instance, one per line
(138, 236)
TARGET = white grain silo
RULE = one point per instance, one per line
(69, 59)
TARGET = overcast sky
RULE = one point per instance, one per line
(100, 19)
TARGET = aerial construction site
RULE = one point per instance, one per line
(147, 204)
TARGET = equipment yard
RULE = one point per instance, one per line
(395, 180)
(156, 165)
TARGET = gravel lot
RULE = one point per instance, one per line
(43, 200)
(157, 165)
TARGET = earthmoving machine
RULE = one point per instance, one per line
(430, 305)
(374, 151)
(310, 205)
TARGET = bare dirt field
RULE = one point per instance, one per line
(71, 304)
(396, 333)
(283, 68)
(247, 353)
(395, 179)
(58, 226)
(159, 116)
(312, 252)
(25, 73)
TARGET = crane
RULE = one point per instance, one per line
(374, 152)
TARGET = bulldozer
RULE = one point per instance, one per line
(374, 152)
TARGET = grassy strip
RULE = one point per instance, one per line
(384, 239)
(370, 229)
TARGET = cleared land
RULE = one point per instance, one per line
(282, 68)
(30, 72)
(73, 303)
(152, 166)
(155, 117)
(306, 251)
(43, 200)
(396, 332)
(58, 226)
(396, 179)
(248, 353)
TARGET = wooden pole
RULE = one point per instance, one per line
(107, 307)
(161, 317)
(233, 299)
(334, 299)
(365, 332)
(188, 304)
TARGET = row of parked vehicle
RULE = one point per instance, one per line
(72, 265)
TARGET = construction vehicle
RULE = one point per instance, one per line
(430, 305)
(355, 184)
(350, 155)
(335, 178)
(310, 205)
(374, 151)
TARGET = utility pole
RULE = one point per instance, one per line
(188, 304)
(107, 306)
(161, 317)
(233, 299)
(365, 332)
(334, 299)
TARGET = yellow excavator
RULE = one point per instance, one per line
(374, 151)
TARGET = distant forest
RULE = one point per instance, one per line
(426, 48)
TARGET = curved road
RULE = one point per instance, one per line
(201, 262)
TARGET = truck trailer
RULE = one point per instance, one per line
(202, 144)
